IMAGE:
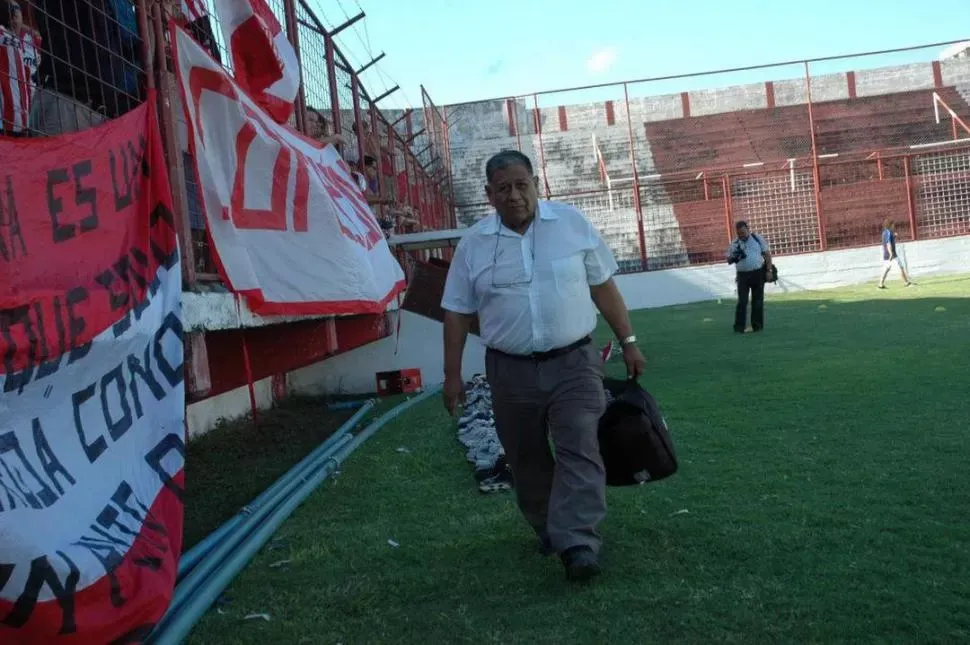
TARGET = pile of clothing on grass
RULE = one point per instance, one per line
(476, 431)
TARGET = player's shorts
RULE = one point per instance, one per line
(888, 264)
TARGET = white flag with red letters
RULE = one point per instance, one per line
(264, 61)
(290, 227)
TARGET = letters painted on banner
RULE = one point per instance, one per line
(290, 227)
(91, 385)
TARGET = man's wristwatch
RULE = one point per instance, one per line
(629, 340)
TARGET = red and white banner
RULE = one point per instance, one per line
(92, 403)
(290, 227)
(264, 61)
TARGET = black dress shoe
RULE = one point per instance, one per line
(581, 564)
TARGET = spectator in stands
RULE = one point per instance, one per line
(370, 143)
(371, 173)
(889, 257)
(751, 257)
(20, 54)
(371, 186)
(408, 221)
(94, 54)
(533, 272)
(195, 16)
(319, 128)
(398, 219)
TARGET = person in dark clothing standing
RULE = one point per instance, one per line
(751, 256)
(889, 257)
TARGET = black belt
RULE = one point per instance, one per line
(546, 356)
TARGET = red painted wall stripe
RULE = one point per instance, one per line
(850, 81)
(685, 103)
(937, 74)
(510, 110)
(610, 114)
(563, 122)
(770, 94)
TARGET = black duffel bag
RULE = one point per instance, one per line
(633, 436)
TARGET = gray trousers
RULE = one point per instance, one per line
(564, 498)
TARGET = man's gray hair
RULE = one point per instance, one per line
(505, 159)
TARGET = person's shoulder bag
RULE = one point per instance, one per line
(770, 276)
(634, 440)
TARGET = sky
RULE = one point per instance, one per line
(466, 50)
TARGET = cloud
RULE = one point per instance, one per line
(601, 60)
(495, 67)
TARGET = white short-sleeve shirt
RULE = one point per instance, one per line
(530, 291)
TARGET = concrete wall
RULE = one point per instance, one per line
(203, 416)
(797, 273)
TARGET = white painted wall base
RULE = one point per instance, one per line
(215, 310)
(420, 344)
(420, 347)
(205, 415)
(808, 272)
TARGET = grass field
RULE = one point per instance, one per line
(823, 496)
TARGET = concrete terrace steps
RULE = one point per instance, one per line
(963, 89)
(571, 166)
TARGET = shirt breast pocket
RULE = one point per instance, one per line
(569, 271)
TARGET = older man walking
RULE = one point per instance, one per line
(533, 273)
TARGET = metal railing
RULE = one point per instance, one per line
(815, 154)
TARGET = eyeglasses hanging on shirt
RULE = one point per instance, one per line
(508, 262)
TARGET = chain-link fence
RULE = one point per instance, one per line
(815, 155)
(68, 66)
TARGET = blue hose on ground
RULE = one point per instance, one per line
(193, 556)
(345, 405)
(200, 574)
(202, 586)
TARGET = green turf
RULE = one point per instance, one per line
(231, 465)
(822, 499)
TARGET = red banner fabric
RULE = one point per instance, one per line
(92, 405)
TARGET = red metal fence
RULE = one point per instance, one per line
(814, 154)
(98, 57)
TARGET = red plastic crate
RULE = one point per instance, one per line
(398, 382)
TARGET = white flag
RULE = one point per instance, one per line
(263, 60)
